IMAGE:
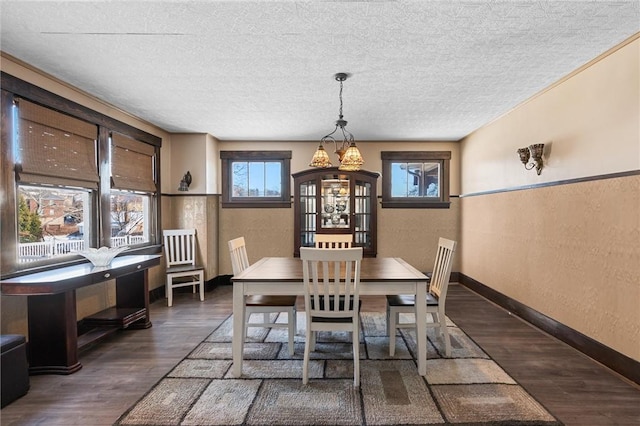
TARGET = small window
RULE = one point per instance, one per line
(415, 179)
(256, 178)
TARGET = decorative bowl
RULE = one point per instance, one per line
(102, 256)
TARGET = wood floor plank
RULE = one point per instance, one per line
(120, 369)
(573, 387)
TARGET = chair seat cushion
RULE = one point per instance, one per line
(331, 306)
(184, 268)
(332, 303)
(333, 320)
(270, 300)
(409, 300)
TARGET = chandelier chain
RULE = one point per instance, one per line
(340, 114)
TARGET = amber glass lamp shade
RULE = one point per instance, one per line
(536, 151)
(524, 155)
(320, 158)
(352, 159)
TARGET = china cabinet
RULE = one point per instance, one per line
(330, 201)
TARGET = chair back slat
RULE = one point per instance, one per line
(442, 269)
(180, 246)
(331, 281)
(239, 258)
(348, 277)
(333, 240)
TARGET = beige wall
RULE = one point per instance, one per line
(197, 153)
(571, 252)
(589, 123)
(199, 212)
(198, 208)
(412, 234)
(408, 233)
(267, 232)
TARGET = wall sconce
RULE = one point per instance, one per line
(535, 152)
(185, 182)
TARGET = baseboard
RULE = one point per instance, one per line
(620, 363)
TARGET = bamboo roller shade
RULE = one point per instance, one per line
(55, 148)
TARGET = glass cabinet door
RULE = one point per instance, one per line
(308, 212)
(329, 201)
(335, 203)
(363, 205)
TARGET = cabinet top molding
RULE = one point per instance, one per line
(334, 170)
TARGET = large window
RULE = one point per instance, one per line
(415, 179)
(56, 175)
(72, 179)
(256, 178)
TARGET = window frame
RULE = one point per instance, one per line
(229, 157)
(439, 202)
(13, 87)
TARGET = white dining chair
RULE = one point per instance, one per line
(331, 280)
(436, 297)
(265, 305)
(182, 269)
(333, 240)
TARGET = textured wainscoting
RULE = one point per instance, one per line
(199, 212)
(569, 251)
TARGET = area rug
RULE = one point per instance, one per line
(468, 388)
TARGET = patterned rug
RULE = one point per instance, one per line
(467, 389)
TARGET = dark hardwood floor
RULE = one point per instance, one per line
(120, 369)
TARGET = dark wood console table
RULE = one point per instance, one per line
(53, 332)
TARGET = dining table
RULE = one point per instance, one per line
(283, 276)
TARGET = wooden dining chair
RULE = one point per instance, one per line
(182, 269)
(333, 240)
(265, 305)
(331, 279)
(436, 297)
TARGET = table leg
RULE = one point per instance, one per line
(238, 326)
(132, 292)
(53, 334)
(421, 326)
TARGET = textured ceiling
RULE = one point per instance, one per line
(239, 70)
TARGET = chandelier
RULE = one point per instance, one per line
(348, 153)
